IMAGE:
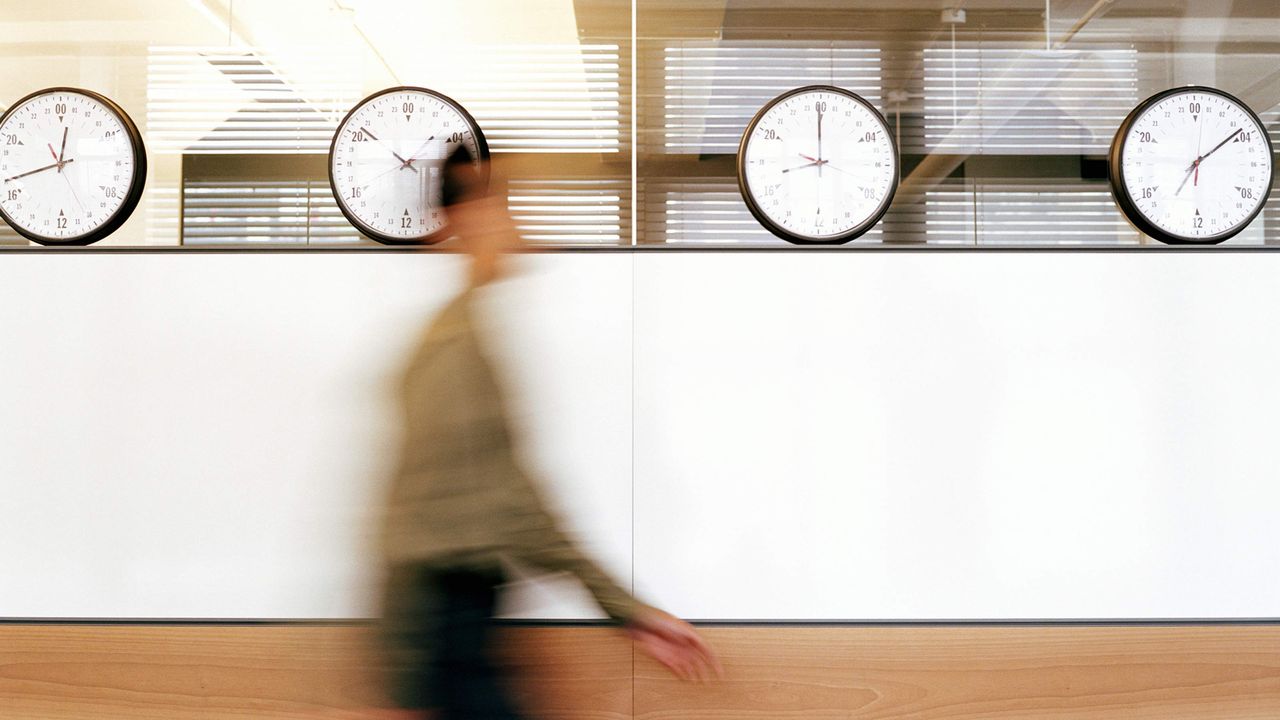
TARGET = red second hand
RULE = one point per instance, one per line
(53, 152)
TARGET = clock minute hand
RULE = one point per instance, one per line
(421, 147)
(39, 170)
(1194, 167)
(1218, 147)
(819, 139)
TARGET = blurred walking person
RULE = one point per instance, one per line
(461, 504)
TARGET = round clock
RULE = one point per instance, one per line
(72, 166)
(1191, 166)
(818, 165)
(385, 162)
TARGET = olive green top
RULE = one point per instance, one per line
(459, 496)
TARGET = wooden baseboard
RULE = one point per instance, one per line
(209, 672)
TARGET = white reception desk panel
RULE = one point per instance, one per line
(816, 436)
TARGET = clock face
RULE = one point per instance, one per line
(72, 166)
(386, 159)
(1191, 165)
(818, 165)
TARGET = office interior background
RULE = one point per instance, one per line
(1003, 456)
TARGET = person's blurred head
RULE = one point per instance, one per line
(462, 179)
(478, 218)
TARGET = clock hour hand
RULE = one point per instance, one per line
(403, 163)
(38, 170)
(801, 167)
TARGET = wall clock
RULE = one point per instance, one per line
(818, 165)
(1191, 166)
(72, 166)
(386, 157)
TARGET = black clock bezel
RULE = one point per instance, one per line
(136, 185)
(795, 238)
(482, 145)
(1125, 201)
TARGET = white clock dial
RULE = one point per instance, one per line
(72, 166)
(1191, 165)
(818, 165)
(386, 159)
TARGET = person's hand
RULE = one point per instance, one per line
(674, 643)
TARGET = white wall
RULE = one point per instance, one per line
(815, 435)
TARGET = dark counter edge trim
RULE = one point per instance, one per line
(956, 623)
(250, 250)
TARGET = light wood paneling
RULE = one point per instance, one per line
(166, 672)
(92, 672)
(987, 673)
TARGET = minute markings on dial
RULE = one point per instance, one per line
(785, 182)
(1175, 190)
(97, 166)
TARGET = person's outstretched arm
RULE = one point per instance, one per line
(534, 535)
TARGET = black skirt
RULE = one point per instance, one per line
(437, 630)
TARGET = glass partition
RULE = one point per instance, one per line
(616, 123)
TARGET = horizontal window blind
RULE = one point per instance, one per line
(546, 212)
(695, 211)
(576, 212)
(295, 211)
(547, 98)
(1000, 100)
(243, 100)
(532, 98)
(711, 90)
(1023, 214)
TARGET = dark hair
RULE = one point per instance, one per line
(460, 179)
